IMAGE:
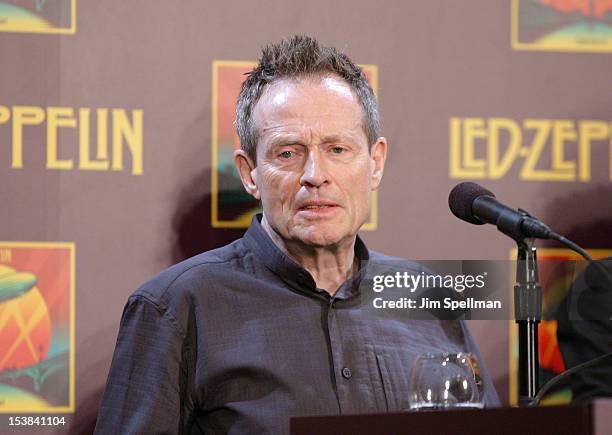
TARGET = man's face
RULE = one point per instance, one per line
(314, 172)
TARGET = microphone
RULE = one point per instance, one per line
(475, 204)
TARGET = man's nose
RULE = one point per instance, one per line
(315, 171)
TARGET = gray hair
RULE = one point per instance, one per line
(298, 57)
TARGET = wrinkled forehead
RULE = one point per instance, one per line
(301, 93)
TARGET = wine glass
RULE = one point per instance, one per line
(445, 380)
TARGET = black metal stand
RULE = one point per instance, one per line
(528, 313)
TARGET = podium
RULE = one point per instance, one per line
(590, 418)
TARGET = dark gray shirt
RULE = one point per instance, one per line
(239, 339)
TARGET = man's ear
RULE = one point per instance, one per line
(378, 154)
(246, 169)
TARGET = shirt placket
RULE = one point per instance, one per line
(342, 373)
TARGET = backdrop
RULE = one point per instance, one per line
(116, 132)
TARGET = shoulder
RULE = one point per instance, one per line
(175, 287)
(382, 262)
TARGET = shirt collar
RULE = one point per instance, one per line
(266, 251)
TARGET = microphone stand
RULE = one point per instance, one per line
(523, 229)
(527, 302)
(482, 207)
(528, 313)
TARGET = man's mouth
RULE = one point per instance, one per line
(318, 207)
(308, 207)
(316, 204)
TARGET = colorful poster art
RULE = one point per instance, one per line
(562, 25)
(559, 270)
(231, 205)
(38, 16)
(36, 327)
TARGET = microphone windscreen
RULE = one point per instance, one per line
(462, 197)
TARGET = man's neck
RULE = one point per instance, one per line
(330, 266)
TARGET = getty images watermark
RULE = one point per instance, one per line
(483, 289)
(422, 282)
(436, 289)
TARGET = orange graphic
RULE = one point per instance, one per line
(37, 358)
(562, 25)
(26, 326)
(591, 9)
(558, 269)
(548, 346)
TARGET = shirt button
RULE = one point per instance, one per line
(346, 373)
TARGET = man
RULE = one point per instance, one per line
(240, 339)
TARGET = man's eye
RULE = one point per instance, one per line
(286, 154)
(338, 150)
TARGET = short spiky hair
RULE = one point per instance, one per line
(298, 57)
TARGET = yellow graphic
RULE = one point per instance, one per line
(117, 131)
(230, 205)
(38, 16)
(5, 255)
(489, 148)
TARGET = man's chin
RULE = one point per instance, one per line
(321, 239)
(320, 243)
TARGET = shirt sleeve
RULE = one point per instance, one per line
(491, 397)
(146, 387)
